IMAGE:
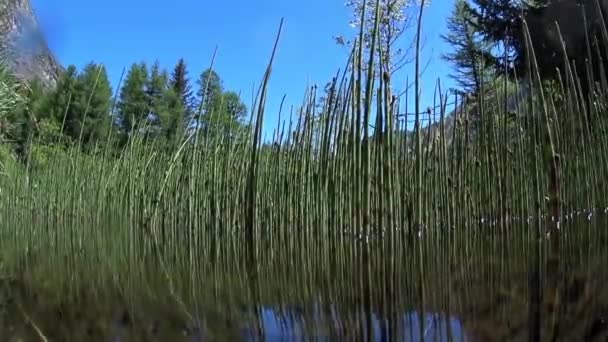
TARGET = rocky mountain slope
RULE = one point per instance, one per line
(22, 44)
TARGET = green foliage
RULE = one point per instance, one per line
(32, 119)
(181, 85)
(235, 109)
(499, 23)
(222, 112)
(62, 98)
(157, 88)
(151, 104)
(171, 115)
(469, 55)
(175, 212)
(9, 165)
(42, 157)
(134, 105)
(48, 132)
(226, 119)
(499, 30)
(88, 123)
(75, 112)
(9, 98)
(157, 84)
(210, 91)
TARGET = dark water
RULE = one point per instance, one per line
(487, 284)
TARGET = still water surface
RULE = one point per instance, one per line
(481, 285)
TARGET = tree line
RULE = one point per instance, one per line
(151, 103)
(486, 37)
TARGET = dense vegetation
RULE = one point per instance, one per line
(80, 110)
(163, 184)
(171, 166)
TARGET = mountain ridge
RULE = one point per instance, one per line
(23, 46)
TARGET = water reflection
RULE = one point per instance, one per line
(477, 286)
(277, 325)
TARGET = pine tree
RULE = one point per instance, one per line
(500, 24)
(156, 88)
(470, 54)
(62, 99)
(181, 84)
(134, 106)
(88, 123)
(157, 83)
(171, 116)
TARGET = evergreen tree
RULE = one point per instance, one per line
(30, 120)
(470, 54)
(171, 116)
(222, 111)
(157, 84)
(582, 38)
(156, 89)
(226, 118)
(88, 123)
(134, 105)
(61, 101)
(209, 91)
(181, 84)
(499, 23)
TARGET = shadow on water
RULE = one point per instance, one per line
(484, 285)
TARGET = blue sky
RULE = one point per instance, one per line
(118, 33)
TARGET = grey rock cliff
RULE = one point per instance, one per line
(22, 44)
